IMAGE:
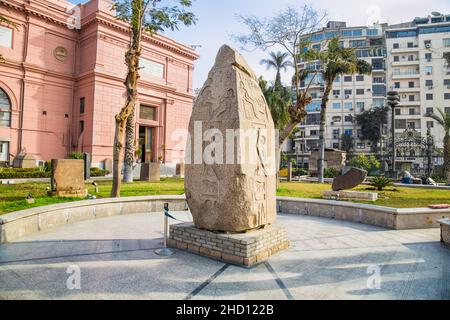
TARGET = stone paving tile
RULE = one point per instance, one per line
(328, 259)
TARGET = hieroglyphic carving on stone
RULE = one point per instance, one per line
(232, 197)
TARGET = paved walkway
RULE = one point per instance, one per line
(328, 260)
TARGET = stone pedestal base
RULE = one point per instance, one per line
(445, 231)
(350, 195)
(151, 172)
(245, 249)
(68, 194)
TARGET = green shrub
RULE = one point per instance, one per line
(380, 183)
(331, 173)
(300, 172)
(438, 178)
(76, 155)
(96, 172)
(366, 163)
(36, 173)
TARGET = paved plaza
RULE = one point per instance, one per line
(328, 259)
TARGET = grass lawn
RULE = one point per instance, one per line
(12, 197)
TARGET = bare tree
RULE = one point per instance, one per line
(287, 29)
(143, 16)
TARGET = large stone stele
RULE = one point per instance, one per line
(238, 195)
(68, 178)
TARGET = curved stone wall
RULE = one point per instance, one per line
(21, 223)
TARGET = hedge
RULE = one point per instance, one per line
(26, 173)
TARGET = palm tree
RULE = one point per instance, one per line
(279, 100)
(443, 118)
(335, 61)
(279, 61)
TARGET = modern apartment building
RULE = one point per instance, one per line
(418, 70)
(408, 58)
(351, 94)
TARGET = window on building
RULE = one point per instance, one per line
(429, 83)
(411, 58)
(446, 42)
(360, 106)
(336, 119)
(348, 79)
(336, 133)
(429, 96)
(82, 104)
(147, 113)
(5, 109)
(398, 112)
(447, 110)
(313, 133)
(359, 91)
(359, 78)
(336, 92)
(396, 46)
(427, 43)
(81, 127)
(400, 124)
(430, 124)
(428, 56)
(396, 58)
(412, 111)
(378, 103)
(411, 98)
(360, 146)
(411, 125)
(429, 111)
(397, 85)
(378, 90)
(410, 45)
(447, 82)
(348, 92)
(338, 79)
(348, 132)
(357, 43)
(446, 96)
(4, 151)
(348, 118)
(336, 105)
(411, 84)
(348, 105)
(6, 37)
(152, 68)
(429, 70)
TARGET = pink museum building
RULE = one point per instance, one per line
(61, 86)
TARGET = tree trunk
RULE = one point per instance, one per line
(287, 131)
(117, 156)
(129, 149)
(446, 166)
(132, 61)
(323, 124)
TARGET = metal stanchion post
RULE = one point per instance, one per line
(165, 251)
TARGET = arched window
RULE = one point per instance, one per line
(5, 109)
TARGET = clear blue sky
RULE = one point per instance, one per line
(217, 21)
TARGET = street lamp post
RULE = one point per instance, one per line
(393, 101)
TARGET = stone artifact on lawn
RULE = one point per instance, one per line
(68, 178)
(353, 178)
(237, 196)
